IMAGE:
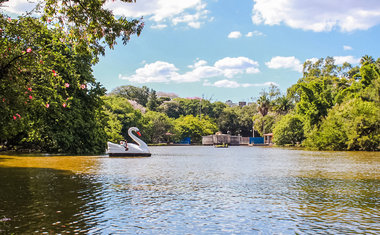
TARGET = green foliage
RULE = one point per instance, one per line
(50, 98)
(172, 109)
(288, 130)
(194, 127)
(156, 126)
(140, 95)
(264, 124)
(228, 121)
(121, 115)
(89, 24)
(153, 102)
(354, 125)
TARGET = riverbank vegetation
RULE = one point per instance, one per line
(51, 102)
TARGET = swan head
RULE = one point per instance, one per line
(135, 129)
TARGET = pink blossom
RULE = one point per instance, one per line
(67, 85)
(29, 89)
(9, 19)
(23, 52)
(54, 73)
(29, 50)
(47, 105)
(14, 117)
(83, 86)
(18, 115)
(30, 97)
(64, 105)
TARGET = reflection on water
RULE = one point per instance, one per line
(193, 190)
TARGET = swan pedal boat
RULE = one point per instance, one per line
(132, 150)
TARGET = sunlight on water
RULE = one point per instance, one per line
(193, 190)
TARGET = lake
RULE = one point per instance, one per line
(192, 190)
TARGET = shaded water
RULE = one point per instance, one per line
(193, 190)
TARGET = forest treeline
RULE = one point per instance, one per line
(330, 108)
(51, 102)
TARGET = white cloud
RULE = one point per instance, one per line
(318, 15)
(18, 6)
(237, 65)
(158, 71)
(233, 84)
(198, 63)
(280, 62)
(161, 71)
(190, 12)
(254, 33)
(159, 26)
(350, 59)
(347, 48)
(234, 34)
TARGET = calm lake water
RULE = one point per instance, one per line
(192, 190)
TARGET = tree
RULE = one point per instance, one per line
(289, 130)
(122, 115)
(140, 95)
(228, 122)
(282, 105)
(152, 104)
(354, 125)
(156, 126)
(171, 108)
(264, 124)
(263, 104)
(50, 99)
(194, 127)
(89, 23)
(367, 60)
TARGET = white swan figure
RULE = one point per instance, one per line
(129, 150)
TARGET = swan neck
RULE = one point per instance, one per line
(135, 138)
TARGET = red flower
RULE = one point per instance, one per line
(29, 89)
(54, 73)
(64, 105)
(83, 86)
(29, 50)
(30, 97)
(14, 117)
(47, 105)
(18, 115)
(67, 85)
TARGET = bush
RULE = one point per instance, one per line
(289, 130)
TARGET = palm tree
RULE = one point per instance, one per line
(367, 60)
(263, 104)
(283, 105)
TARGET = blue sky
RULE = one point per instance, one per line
(228, 49)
